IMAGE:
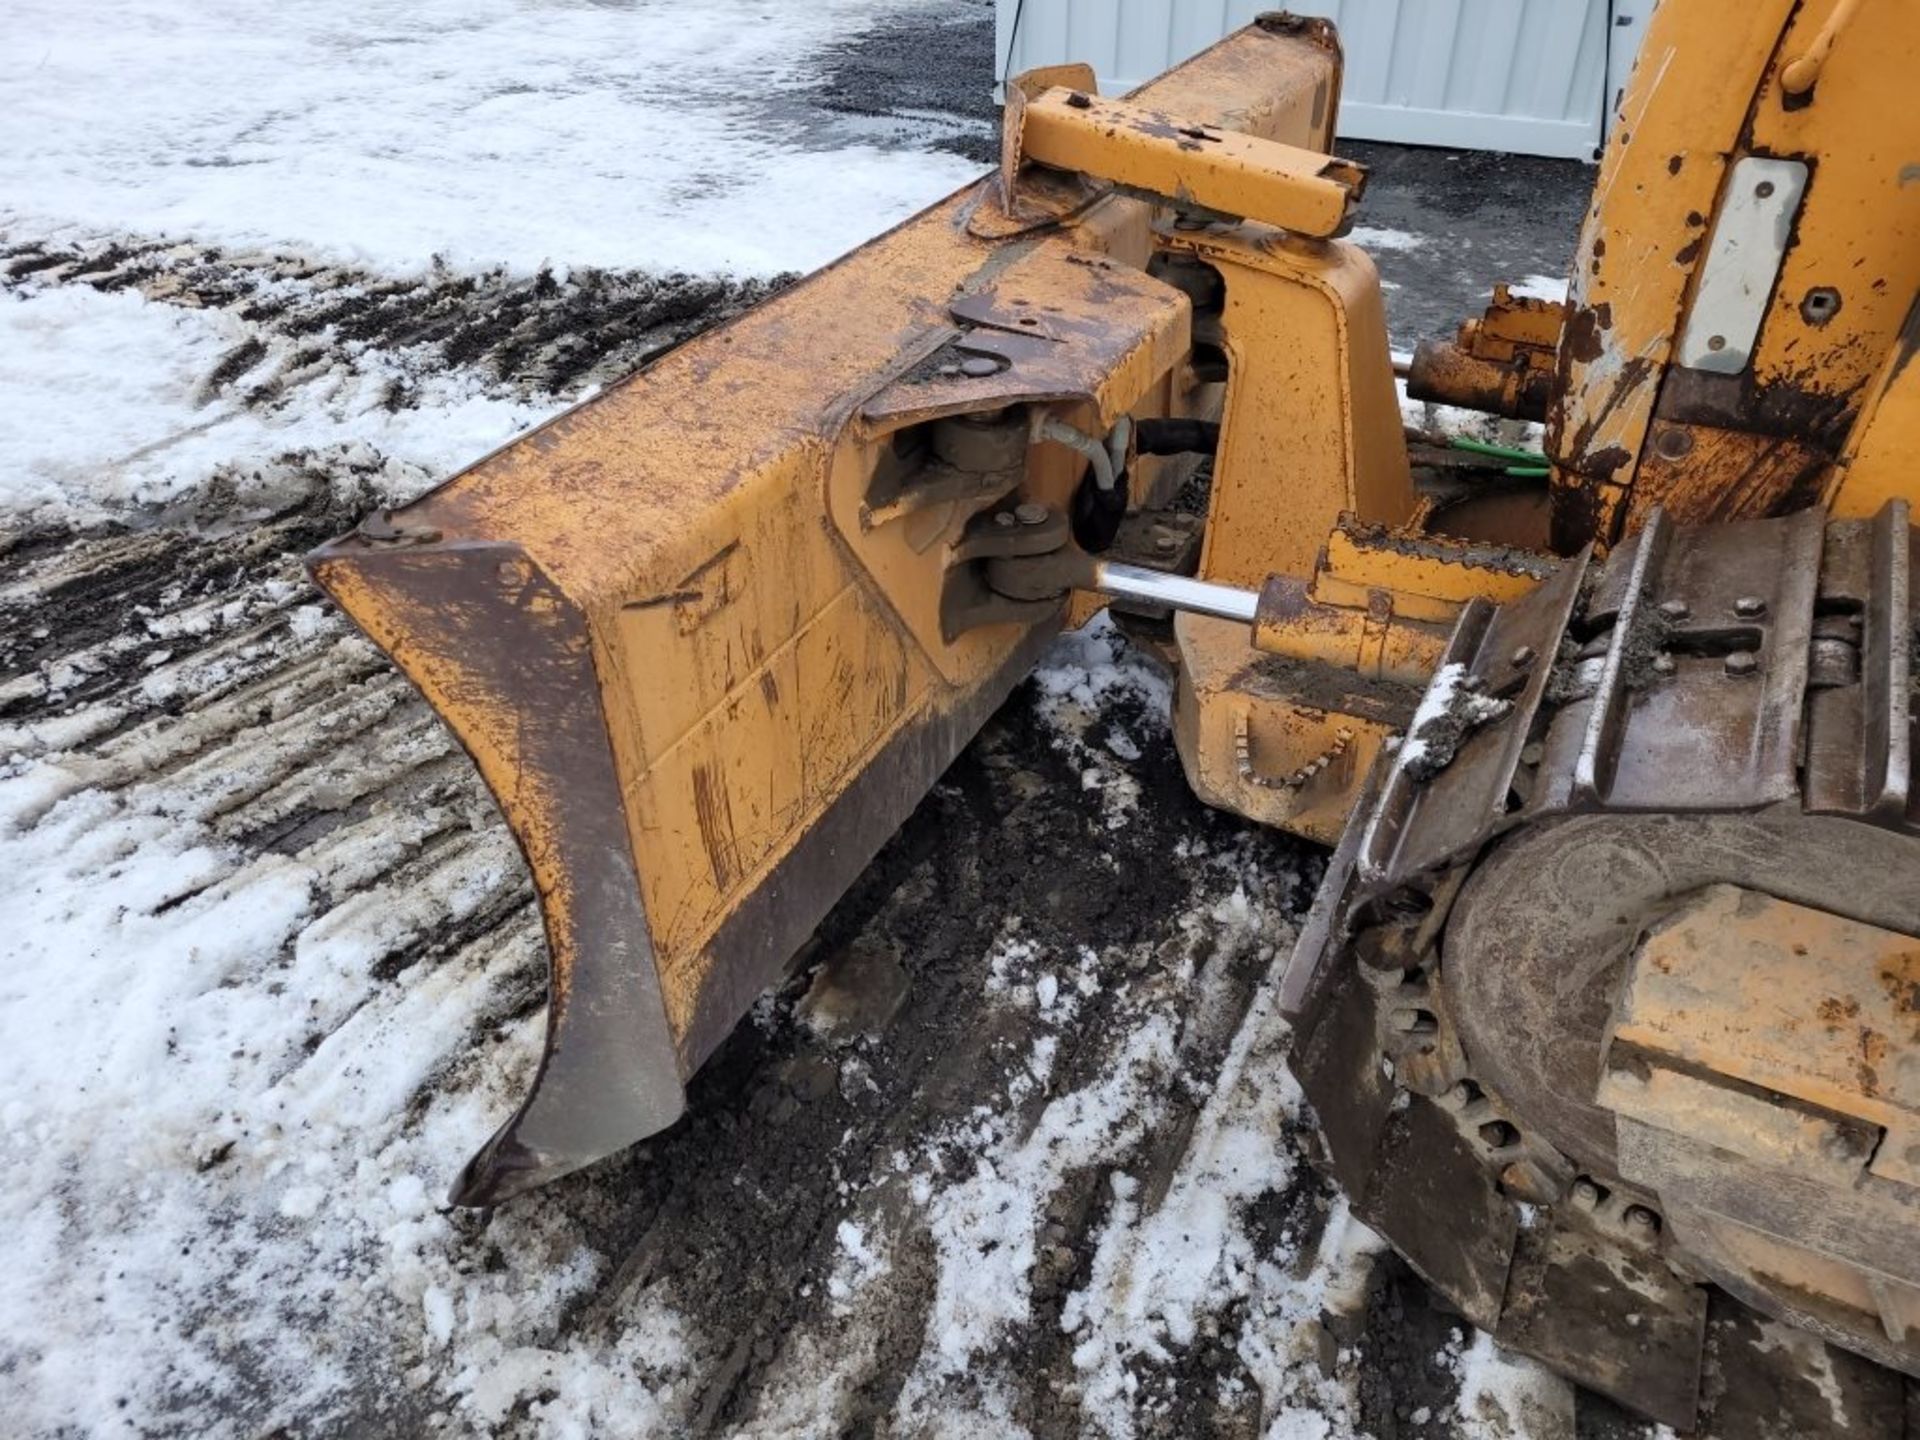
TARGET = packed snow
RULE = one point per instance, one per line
(654, 135)
(1451, 709)
(1381, 237)
(182, 1150)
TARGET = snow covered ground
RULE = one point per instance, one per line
(483, 132)
(269, 967)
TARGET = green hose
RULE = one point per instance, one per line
(1498, 452)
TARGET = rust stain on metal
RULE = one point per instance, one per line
(1474, 555)
(1585, 338)
(1900, 978)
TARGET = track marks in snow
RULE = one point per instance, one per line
(270, 960)
(155, 364)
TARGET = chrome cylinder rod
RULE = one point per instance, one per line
(1155, 587)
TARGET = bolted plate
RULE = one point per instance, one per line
(1750, 239)
(1431, 1196)
(1700, 702)
(1507, 656)
(1617, 1318)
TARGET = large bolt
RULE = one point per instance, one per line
(1749, 607)
(1586, 1194)
(1674, 443)
(978, 367)
(1004, 519)
(1742, 663)
(1522, 657)
(1030, 512)
(1641, 1221)
(1675, 609)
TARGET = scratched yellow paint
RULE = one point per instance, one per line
(754, 639)
(1309, 380)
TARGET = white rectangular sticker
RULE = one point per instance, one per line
(1743, 260)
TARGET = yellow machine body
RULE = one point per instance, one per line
(710, 636)
(691, 631)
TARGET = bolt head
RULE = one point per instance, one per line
(1641, 1219)
(1522, 657)
(1004, 519)
(1586, 1193)
(1750, 607)
(1742, 662)
(1029, 512)
(1675, 609)
(1674, 443)
(978, 367)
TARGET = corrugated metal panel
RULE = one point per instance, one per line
(1520, 75)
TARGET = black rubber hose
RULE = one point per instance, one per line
(1177, 437)
(1095, 514)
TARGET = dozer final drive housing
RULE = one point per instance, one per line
(1612, 990)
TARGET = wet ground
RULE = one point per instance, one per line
(1473, 219)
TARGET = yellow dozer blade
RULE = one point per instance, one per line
(710, 636)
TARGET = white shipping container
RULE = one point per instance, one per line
(1536, 77)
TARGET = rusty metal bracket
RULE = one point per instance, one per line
(1201, 168)
(1501, 655)
(1860, 736)
(1700, 701)
(1502, 362)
